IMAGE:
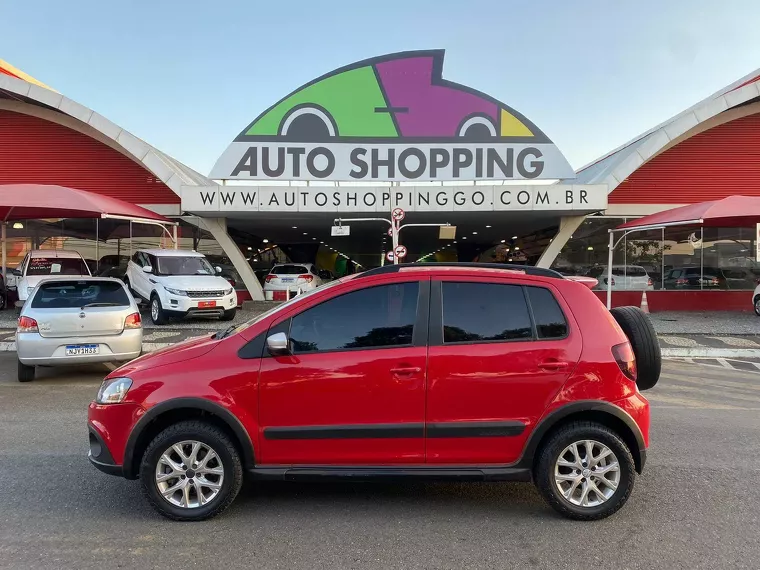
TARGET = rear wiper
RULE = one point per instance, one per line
(101, 305)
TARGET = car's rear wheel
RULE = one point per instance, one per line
(585, 471)
(25, 373)
(157, 314)
(757, 305)
(643, 338)
(191, 471)
(228, 315)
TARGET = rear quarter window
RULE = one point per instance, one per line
(550, 320)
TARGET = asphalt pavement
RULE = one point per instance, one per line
(697, 504)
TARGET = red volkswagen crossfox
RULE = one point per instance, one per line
(458, 371)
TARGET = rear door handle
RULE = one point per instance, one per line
(553, 365)
(405, 371)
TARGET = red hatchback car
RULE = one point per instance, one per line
(440, 372)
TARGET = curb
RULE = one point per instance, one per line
(706, 352)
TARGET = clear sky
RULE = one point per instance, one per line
(187, 76)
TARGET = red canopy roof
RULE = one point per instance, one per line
(731, 212)
(31, 201)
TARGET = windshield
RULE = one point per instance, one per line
(57, 266)
(289, 270)
(70, 294)
(177, 265)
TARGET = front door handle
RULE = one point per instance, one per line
(553, 365)
(406, 371)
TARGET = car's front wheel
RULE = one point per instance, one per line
(228, 315)
(757, 305)
(191, 471)
(585, 471)
(157, 314)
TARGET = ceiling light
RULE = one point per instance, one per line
(514, 237)
(314, 238)
(474, 233)
(464, 237)
(321, 242)
(503, 241)
(517, 248)
(295, 227)
(590, 248)
(510, 259)
(265, 240)
(18, 226)
(250, 248)
(255, 258)
(488, 226)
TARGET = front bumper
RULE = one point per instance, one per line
(109, 426)
(34, 349)
(179, 305)
(100, 457)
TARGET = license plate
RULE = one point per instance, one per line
(80, 349)
(287, 279)
(206, 304)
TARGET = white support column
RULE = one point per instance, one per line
(4, 237)
(567, 225)
(217, 227)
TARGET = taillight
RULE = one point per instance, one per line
(625, 359)
(650, 283)
(27, 324)
(307, 278)
(270, 277)
(133, 321)
(682, 281)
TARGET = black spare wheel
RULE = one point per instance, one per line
(643, 338)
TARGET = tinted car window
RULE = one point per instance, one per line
(370, 318)
(289, 270)
(56, 266)
(484, 311)
(550, 321)
(71, 294)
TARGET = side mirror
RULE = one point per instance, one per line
(147, 269)
(218, 269)
(16, 272)
(278, 344)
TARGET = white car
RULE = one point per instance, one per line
(624, 278)
(293, 277)
(756, 299)
(179, 283)
(40, 264)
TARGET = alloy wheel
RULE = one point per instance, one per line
(189, 474)
(154, 309)
(587, 473)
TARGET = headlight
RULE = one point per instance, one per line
(113, 391)
(228, 291)
(176, 291)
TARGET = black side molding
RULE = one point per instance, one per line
(475, 429)
(362, 431)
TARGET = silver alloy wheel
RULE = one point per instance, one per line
(587, 473)
(757, 305)
(189, 474)
(154, 309)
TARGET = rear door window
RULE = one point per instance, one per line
(550, 320)
(482, 312)
(71, 294)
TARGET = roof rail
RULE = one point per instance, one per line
(528, 269)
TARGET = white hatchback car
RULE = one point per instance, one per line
(293, 277)
(40, 264)
(624, 278)
(77, 320)
(178, 283)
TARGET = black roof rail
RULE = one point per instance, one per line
(528, 269)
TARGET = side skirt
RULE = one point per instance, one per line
(370, 473)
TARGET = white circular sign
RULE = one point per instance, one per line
(398, 214)
(389, 256)
(400, 251)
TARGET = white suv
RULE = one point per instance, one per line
(41, 264)
(179, 283)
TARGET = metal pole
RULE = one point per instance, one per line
(662, 260)
(97, 240)
(611, 247)
(130, 239)
(174, 237)
(701, 258)
(3, 237)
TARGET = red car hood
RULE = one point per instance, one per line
(183, 351)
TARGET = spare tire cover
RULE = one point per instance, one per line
(643, 338)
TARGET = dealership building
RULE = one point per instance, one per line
(391, 132)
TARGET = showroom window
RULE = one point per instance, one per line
(478, 312)
(376, 317)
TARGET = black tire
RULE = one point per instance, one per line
(549, 454)
(228, 315)
(640, 332)
(756, 304)
(217, 440)
(158, 316)
(25, 373)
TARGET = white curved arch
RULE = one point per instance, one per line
(308, 111)
(613, 168)
(477, 120)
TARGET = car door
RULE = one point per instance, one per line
(499, 353)
(140, 278)
(352, 391)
